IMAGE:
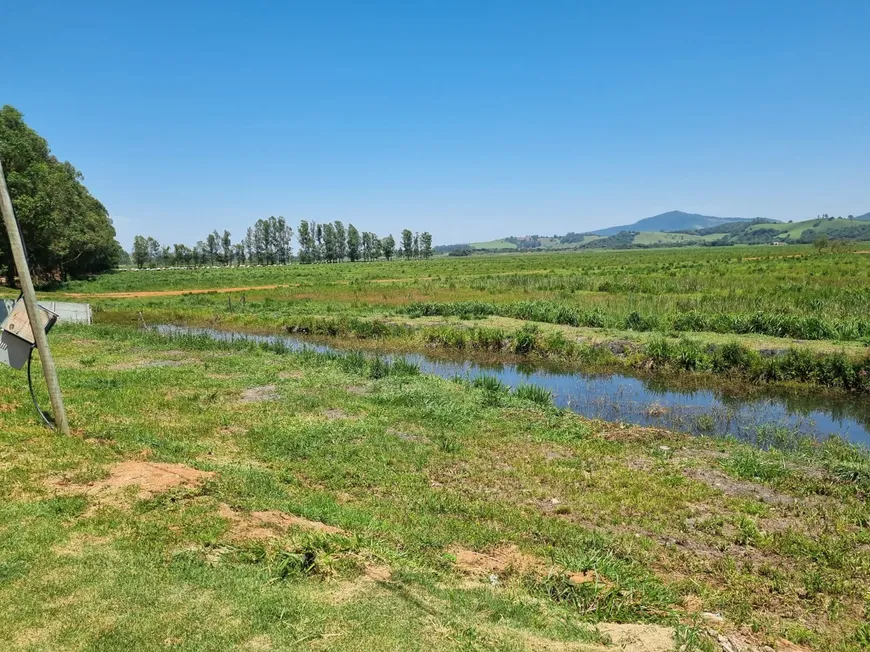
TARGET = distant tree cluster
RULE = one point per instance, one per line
(268, 242)
(571, 237)
(528, 242)
(451, 249)
(68, 232)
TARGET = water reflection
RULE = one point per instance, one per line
(647, 400)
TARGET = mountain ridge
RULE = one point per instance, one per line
(671, 221)
(678, 228)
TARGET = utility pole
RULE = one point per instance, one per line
(29, 295)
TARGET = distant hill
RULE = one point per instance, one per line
(671, 230)
(672, 221)
(758, 231)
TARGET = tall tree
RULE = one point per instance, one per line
(259, 242)
(212, 243)
(340, 241)
(318, 236)
(153, 251)
(268, 243)
(249, 245)
(426, 245)
(67, 231)
(366, 246)
(388, 246)
(375, 246)
(199, 254)
(306, 243)
(407, 243)
(227, 247)
(330, 243)
(353, 243)
(283, 237)
(182, 254)
(141, 252)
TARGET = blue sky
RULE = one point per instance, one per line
(468, 119)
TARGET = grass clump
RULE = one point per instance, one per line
(535, 394)
(490, 384)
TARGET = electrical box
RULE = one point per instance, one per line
(16, 337)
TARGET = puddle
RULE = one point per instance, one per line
(646, 400)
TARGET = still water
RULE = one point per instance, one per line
(647, 400)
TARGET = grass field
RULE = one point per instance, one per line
(794, 230)
(758, 298)
(222, 496)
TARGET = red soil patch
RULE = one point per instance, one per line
(639, 638)
(268, 524)
(151, 478)
(500, 560)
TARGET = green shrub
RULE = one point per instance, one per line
(635, 322)
(491, 339)
(524, 341)
(379, 368)
(659, 351)
(689, 355)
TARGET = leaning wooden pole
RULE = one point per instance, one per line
(29, 295)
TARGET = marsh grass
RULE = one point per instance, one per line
(535, 394)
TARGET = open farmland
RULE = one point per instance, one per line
(348, 501)
(783, 292)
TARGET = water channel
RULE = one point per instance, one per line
(642, 399)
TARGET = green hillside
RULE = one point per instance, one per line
(808, 230)
(758, 231)
(493, 245)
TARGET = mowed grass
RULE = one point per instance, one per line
(354, 505)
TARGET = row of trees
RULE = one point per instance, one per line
(67, 231)
(268, 242)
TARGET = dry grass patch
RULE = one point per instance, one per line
(260, 394)
(336, 413)
(639, 638)
(738, 488)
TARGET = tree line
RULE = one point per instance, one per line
(268, 242)
(68, 232)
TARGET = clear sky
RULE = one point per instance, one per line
(467, 118)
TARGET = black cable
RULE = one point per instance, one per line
(49, 421)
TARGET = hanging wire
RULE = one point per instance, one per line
(47, 418)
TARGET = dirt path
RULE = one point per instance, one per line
(173, 293)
